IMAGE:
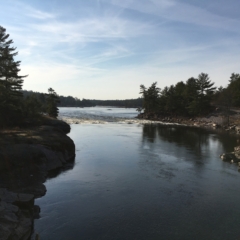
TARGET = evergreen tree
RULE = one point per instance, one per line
(31, 106)
(205, 92)
(150, 97)
(183, 99)
(52, 101)
(234, 89)
(234, 77)
(191, 96)
(10, 81)
(170, 99)
(204, 84)
(180, 100)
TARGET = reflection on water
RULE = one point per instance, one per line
(195, 139)
(143, 182)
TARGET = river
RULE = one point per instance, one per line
(141, 181)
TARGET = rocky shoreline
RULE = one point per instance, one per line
(214, 121)
(232, 157)
(28, 156)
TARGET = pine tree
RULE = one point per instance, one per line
(234, 89)
(204, 84)
(150, 97)
(52, 101)
(10, 81)
(205, 92)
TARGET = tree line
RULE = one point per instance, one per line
(70, 101)
(128, 103)
(63, 101)
(14, 108)
(195, 97)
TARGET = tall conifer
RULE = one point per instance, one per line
(10, 80)
(52, 101)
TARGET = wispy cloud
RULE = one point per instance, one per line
(92, 30)
(57, 39)
(180, 12)
(114, 43)
(31, 12)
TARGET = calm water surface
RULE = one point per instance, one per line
(133, 181)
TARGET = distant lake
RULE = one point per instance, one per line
(143, 182)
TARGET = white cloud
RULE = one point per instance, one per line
(31, 12)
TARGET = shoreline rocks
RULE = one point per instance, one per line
(213, 122)
(232, 157)
(17, 212)
(27, 157)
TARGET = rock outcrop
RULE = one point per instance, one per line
(233, 157)
(237, 128)
(27, 157)
(16, 215)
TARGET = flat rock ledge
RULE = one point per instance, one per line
(27, 158)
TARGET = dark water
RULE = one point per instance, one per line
(144, 182)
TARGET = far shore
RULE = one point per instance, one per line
(215, 120)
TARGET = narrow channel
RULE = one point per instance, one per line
(141, 181)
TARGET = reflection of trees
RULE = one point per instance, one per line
(228, 141)
(181, 142)
(182, 136)
(164, 145)
(194, 139)
(191, 138)
(149, 132)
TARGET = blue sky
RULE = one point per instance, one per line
(104, 49)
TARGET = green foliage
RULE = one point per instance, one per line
(150, 97)
(234, 89)
(204, 84)
(10, 82)
(31, 107)
(52, 101)
(230, 96)
(183, 99)
(205, 93)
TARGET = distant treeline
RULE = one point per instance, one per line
(195, 97)
(70, 101)
(63, 101)
(128, 103)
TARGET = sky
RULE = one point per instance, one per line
(105, 49)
